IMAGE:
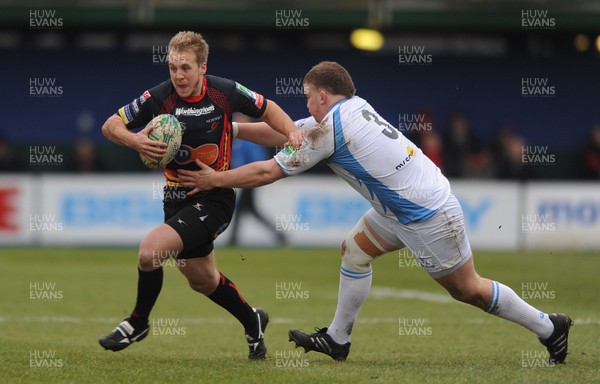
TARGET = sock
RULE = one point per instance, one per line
(149, 286)
(353, 291)
(227, 296)
(506, 304)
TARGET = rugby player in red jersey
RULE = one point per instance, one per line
(203, 104)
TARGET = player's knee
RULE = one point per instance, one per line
(360, 248)
(150, 256)
(200, 286)
(353, 257)
(146, 259)
(457, 294)
(468, 295)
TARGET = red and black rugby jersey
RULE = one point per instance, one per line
(205, 120)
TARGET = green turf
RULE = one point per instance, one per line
(199, 342)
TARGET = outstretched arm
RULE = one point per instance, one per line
(250, 175)
(261, 134)
(276, 118)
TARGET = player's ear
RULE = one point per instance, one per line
(323, 97)
(203, 68)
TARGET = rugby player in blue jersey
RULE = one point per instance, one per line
(412, 206)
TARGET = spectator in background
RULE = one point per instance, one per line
(461, 147)
(429, 140)
(480, 165)
(508, 156)
(464, 155)
(85, 158)
(592, 154)
(245, 152)
(9, 163)
(504, 135)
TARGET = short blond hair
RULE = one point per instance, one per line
(190, 40)
(332, 77)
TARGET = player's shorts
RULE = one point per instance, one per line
(439, 243)
(199, 220)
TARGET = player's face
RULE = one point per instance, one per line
(186, 74)
(315, 102)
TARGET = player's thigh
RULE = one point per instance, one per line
(161, 243)
(440, 243)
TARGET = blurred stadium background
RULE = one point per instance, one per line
(501, 95)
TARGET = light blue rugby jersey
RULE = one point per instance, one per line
(374, 157)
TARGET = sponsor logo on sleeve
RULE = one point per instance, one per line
(123, 115)
(244, 90)
(410, 153)
(145, 96)
(259, 100)
(127, 110)
(135, 106)
(257, 97)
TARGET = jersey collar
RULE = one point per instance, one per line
(338, 103)
(195, 99)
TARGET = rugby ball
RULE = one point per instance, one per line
(167, 130)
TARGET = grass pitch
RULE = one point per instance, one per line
(55, 303)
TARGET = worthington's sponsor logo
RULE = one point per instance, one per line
(194, 111)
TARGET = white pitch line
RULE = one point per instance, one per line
(378, 293)
(275, 320)
(189, 321)
(214, 320)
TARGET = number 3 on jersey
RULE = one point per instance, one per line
(388, 129)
